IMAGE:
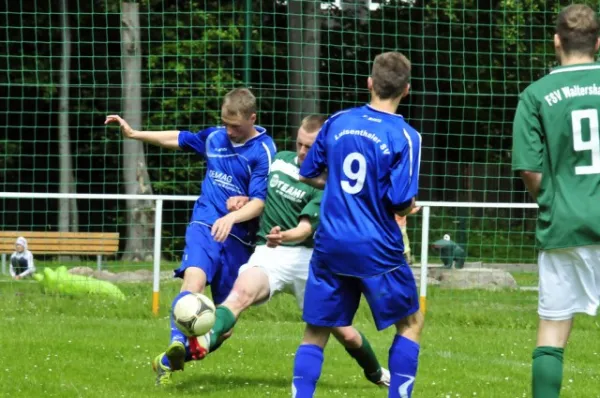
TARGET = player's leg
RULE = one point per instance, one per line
(197, 268)
(394, 300)
(329, 301)
(406, 242)
(358, 347)
(569, 284)
(267, 272)
(356, 344)
(251, 286)
(233, 255)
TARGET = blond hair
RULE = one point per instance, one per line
(313, 123)
(239, 102)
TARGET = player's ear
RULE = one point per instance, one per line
(597, 45)
(252, 118)
(370, 83)
(406, 90)
(556, 41)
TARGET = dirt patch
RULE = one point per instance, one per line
(142, 275)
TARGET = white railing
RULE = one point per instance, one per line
(160, 199)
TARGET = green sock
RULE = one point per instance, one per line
(366, 359)
(547, 372)
(224, 322)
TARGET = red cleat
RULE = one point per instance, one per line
(197, 350)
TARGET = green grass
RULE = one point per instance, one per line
(475, 344)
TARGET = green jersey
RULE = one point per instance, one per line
(556, 133)
(288, 199)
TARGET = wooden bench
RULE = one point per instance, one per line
(57, 243)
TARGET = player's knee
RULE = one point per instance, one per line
(348, 337)
(411, 326)
(194, 280)
(242, 296)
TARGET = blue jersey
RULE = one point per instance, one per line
(231, 170)
(372, 159)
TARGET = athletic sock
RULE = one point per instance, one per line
(308, 363)
(176, 334)
(403, 363)
(366, 359)
(224, 322)
(547, 372)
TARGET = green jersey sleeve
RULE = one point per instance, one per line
(528, 140)
(312, 210)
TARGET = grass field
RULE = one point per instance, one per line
(475, 344)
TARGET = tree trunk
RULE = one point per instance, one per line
(140, 220)
(305, 41)
(357, 9)
(68, 219)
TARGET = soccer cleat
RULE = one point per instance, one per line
(176, 355)
(163, 373)
(199, 346)
(384, 381)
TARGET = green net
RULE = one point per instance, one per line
(66, 65)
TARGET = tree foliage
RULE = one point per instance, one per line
(470, 61)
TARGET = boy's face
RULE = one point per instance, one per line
(19, 248)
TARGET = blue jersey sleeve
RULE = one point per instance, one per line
(404, 176)
(316, 158)
(194, 142)
(260, 172)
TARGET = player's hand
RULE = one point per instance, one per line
(236, 202)
(126, 129)
(222, 227)
(415, 210)
(275, 237)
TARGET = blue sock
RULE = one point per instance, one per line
(176, 334)
(403, 362)
(307, 370)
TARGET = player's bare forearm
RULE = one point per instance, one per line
(317, 182)
(167, 139)
(250, 210)
(533, 181)
(297, 234)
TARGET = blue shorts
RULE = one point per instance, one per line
(219, 261)
(331, 300)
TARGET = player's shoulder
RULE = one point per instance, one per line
(560, 78)
(286, 156)
(343, 114)
(263, 144)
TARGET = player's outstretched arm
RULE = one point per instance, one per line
(167, 139)
(298, 234)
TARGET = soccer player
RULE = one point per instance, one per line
(217, 242)
(401, 220)
(283, 251)
(556, 148)
(367, 158)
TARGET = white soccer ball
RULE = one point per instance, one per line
(194, 314)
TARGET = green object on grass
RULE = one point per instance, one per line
(450, 253)
(61, 282)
